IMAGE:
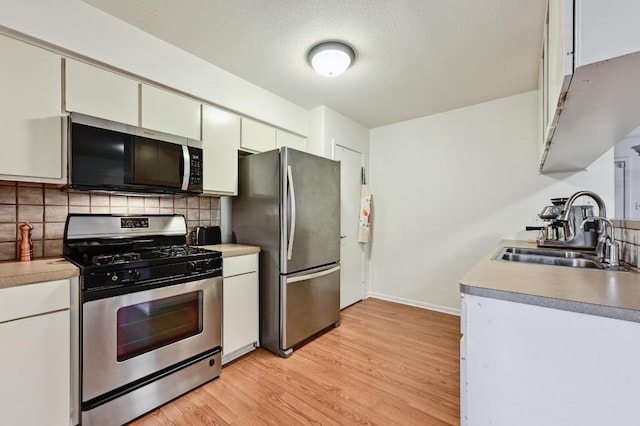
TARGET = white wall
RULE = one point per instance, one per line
(623, 151)
(86, 31)
(315, 138)
(328, 128)
(448, 187)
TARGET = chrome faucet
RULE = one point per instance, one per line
(563, 217)
(607, 248)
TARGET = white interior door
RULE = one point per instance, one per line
(351, 255)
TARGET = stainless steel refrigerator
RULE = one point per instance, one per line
(288, 203)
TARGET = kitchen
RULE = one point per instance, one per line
(492, 185)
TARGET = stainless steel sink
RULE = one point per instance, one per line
(550, 252)
(559, 257)
(551, 260)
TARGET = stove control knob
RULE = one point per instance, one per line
(134, 274)
(114, 277)
(192, 267)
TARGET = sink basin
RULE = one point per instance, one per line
(573, 259)
(551, 260)
(550, 253)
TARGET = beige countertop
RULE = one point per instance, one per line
(14, 273)
(231, 250)
(597, 292)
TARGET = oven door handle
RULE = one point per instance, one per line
(119, 243)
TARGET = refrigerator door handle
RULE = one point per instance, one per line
(313, 275)
(292, 231)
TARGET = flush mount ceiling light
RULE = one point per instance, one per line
(331, 58)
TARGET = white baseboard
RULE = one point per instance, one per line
(417, 304)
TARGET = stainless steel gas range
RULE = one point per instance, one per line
(151, 313)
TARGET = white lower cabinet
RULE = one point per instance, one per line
(35, 367)
(532, 365)
(240, 322)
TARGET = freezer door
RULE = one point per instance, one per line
(310, 302)
(310, 230)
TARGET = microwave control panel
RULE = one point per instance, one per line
(196, 169)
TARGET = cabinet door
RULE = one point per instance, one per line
(257, 137)
(169, 113)
(220, 143)
(30, 113)
(289, 139)
(240, 307)
(240, 324)
(35, 372)
(93, 91)
(559, 55)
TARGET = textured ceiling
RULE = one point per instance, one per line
(414, 57)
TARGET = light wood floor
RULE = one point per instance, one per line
(387, 364)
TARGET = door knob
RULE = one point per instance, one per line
(343, 236)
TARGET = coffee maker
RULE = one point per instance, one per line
(569, 233)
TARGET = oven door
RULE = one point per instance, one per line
(129, 337)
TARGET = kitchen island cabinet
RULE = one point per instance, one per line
(38, 377)
(31, 113)
(548, 345)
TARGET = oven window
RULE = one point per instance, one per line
(151, 325)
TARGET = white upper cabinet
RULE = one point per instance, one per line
(590, 80)
(256, 136)
(31, 113)
(605, 30)
(290, 140)
(100, 93)
(220, 144)
(559, 57)
(169, 113)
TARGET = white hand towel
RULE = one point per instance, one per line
(364, 227)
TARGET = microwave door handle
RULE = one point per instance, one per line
(292, 231)
(186, 163)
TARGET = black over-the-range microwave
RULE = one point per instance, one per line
(110, 156)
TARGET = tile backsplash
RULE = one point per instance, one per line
(46, 207)
(627, 233)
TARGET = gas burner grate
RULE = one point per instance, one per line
(113, 259)
(179, 250)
